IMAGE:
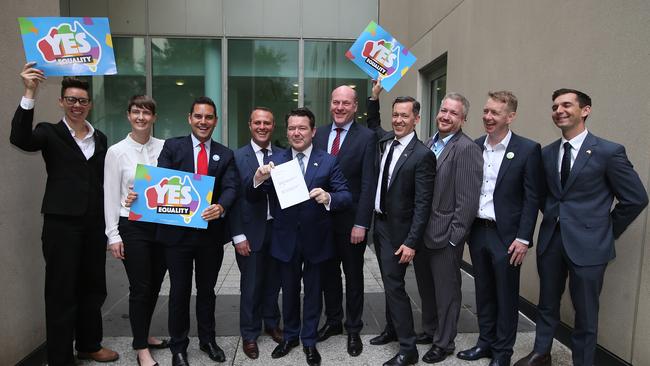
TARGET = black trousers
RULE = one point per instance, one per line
(74, 248)
(399, 315)
(351, 256)
(585, 284)
(497, 291)
(182, 259)
(145, 267)
(260, 287)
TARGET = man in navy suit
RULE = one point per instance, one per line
(199, 249)
(251, 226)
(503, 229)
(584, 174)
(302, 234)
(354, 147)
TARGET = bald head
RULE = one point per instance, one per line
(343, 105)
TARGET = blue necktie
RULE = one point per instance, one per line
(302, 165)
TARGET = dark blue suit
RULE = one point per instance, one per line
(302, 240)
(356, 159)
(259, 287)
(516, 200)
(576, 237)
(185, 247)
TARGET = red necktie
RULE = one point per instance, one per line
(202, 161)
(336, 144)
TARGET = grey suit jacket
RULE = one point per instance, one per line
(455, 192)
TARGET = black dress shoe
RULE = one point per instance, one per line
(423, 338)
(403, 359)
(162, 345)
(214, 351)
(329, 330)
(180, 359)
(474, 353)
(275, 333)
(384, 338)
(535, 359)
(284, 348)
(355, 346)
(312, 355)
(436, 354)
(500, 362)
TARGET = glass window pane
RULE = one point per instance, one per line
(326, 68)
(438, 91)
(260, 73)
(111, 93)
(184, 69)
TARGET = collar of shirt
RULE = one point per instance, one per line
(91, 129)
(405, 140)
(444, 140)
(345, 127)
(575, 142)
(196, 143)
(306, 152)
(257, 148)
(136, 145)
(501, 144)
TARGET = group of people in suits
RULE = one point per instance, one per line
(424, 200)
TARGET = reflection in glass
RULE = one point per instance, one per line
(260, 73)
(438, 91)
(326, 68)
(111, 93)
(184, 69)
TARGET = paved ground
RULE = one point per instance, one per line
(117, 330)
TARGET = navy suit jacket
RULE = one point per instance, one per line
(307, 226)
(248, 215)
(518, 189)
(356, 158)
(582, 208)
(178, 153)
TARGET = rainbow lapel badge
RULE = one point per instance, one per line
(63, 46)
(381, 56)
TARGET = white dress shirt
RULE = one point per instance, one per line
(86, 144)
(119, 172)
(397, 152)
(576, 143)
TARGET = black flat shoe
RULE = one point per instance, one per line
(284, 348)
(355, 346)
(162, 345)
(214, 351)
(384, 338)
(312, 355)
(474, 353)
(180, 359)
(329, 330)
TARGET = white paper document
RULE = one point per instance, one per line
(289, 184)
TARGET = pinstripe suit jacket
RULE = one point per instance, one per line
(455, 192)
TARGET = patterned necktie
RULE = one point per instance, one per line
(336, 144)
(302, 165)
(566, 163)
(384, 177)
(202, 161)
(265, 156)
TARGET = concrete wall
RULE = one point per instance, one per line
(532, 48)
(22, 314)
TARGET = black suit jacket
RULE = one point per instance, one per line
(74, 185)
(356, 158)
(178, 153)
(408, 200)
(518, 189)
(248, 215)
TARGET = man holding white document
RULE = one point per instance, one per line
(302, 233)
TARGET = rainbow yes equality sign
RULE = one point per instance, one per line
(69, 46)
(380, 55)
(171, 197)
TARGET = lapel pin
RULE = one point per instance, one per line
(588, 152)
(315, 164)
(510, 155)
(215, 157)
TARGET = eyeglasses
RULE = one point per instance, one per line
(73, 100)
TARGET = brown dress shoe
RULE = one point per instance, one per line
(535, 359)
(251, 350)
(103, 355)
(275, 333)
